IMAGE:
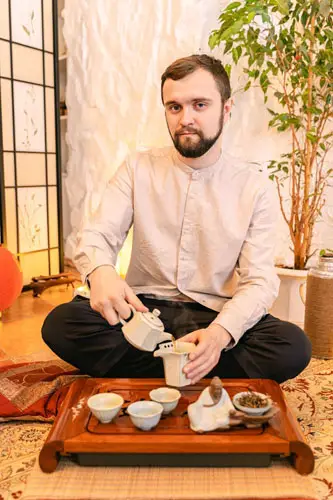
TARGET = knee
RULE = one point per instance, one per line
(296, 353)
(54, 325)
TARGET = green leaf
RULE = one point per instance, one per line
(251, 16)
(214, 40)
(282, 5)
(233, 5)
(228, 47)
(234, 28)
(247, 86)
(322, 145)
(312, 137)
(26, 30)
(32, 15)
(236, 53)
(227, 68)
(279, 95)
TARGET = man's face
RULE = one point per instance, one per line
(194, 113)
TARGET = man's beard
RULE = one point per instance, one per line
(190, 149)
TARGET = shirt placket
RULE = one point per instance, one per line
(187, 246)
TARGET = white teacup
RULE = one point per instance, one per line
(145, 330)
(105, 406)
(167, 397)
(145, 414)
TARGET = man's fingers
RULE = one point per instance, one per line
(135, 301)
(110, 314)
(122, 308)
(202, 351)
(189, 337)
(202, 371)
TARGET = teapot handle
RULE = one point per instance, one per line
(122, 320)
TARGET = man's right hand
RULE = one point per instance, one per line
(110, 295)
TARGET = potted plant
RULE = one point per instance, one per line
(286, 48)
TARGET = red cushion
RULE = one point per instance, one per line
(11, 279)
(34, 391)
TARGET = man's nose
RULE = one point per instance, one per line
(186, 117)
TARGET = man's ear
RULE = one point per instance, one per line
(227, 109)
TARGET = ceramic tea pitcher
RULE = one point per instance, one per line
(145, 330)
(175, 356)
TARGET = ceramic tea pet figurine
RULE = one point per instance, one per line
(214, 410)
(145, 330)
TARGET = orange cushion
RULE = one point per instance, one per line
(11, 279)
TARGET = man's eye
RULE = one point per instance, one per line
(200, 105)
(174, 107)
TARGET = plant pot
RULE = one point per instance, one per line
(289, 305)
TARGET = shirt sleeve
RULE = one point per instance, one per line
(103, 235)
(258, 284)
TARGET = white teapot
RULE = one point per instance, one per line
(145, 330)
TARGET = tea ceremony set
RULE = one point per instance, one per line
(131, 422)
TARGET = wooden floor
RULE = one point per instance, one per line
(20, 326)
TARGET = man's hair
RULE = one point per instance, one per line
(187, 65)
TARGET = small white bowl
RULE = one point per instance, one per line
(105, 406)
(167, 397)
(145, 414)
(247, 409)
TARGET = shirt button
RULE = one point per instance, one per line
(195, 175)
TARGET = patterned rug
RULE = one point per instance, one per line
(310, 396)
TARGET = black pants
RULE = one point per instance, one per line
(272, 348)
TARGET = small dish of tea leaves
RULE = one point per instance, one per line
(253, 403)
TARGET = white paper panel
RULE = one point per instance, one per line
(10, 204)
(30, 169)
(29, 117)
(49, 76)
(34, 264)
(53, 217)
(27, 22)
(27, 64)
(6, 114)
(8, 160)
(32, 218)
(51, 169)
(54, 258)
(50, 120)
(4, 19)
(48, 25)
(5, 59)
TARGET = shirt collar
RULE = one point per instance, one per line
(203, 172)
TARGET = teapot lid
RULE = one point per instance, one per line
(152, 318)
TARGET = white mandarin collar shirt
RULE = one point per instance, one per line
(204, 234)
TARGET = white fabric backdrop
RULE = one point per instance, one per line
(118, 50)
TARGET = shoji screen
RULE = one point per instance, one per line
(30, 177)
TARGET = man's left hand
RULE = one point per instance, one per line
(210, 342)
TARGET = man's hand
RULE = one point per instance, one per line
(110, 295)
(210, 342)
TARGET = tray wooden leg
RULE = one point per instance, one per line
(302, 457)
(50, 455)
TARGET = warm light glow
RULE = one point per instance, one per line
(124, 256)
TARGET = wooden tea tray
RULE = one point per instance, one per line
(76, 432)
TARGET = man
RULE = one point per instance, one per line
(203, 249)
